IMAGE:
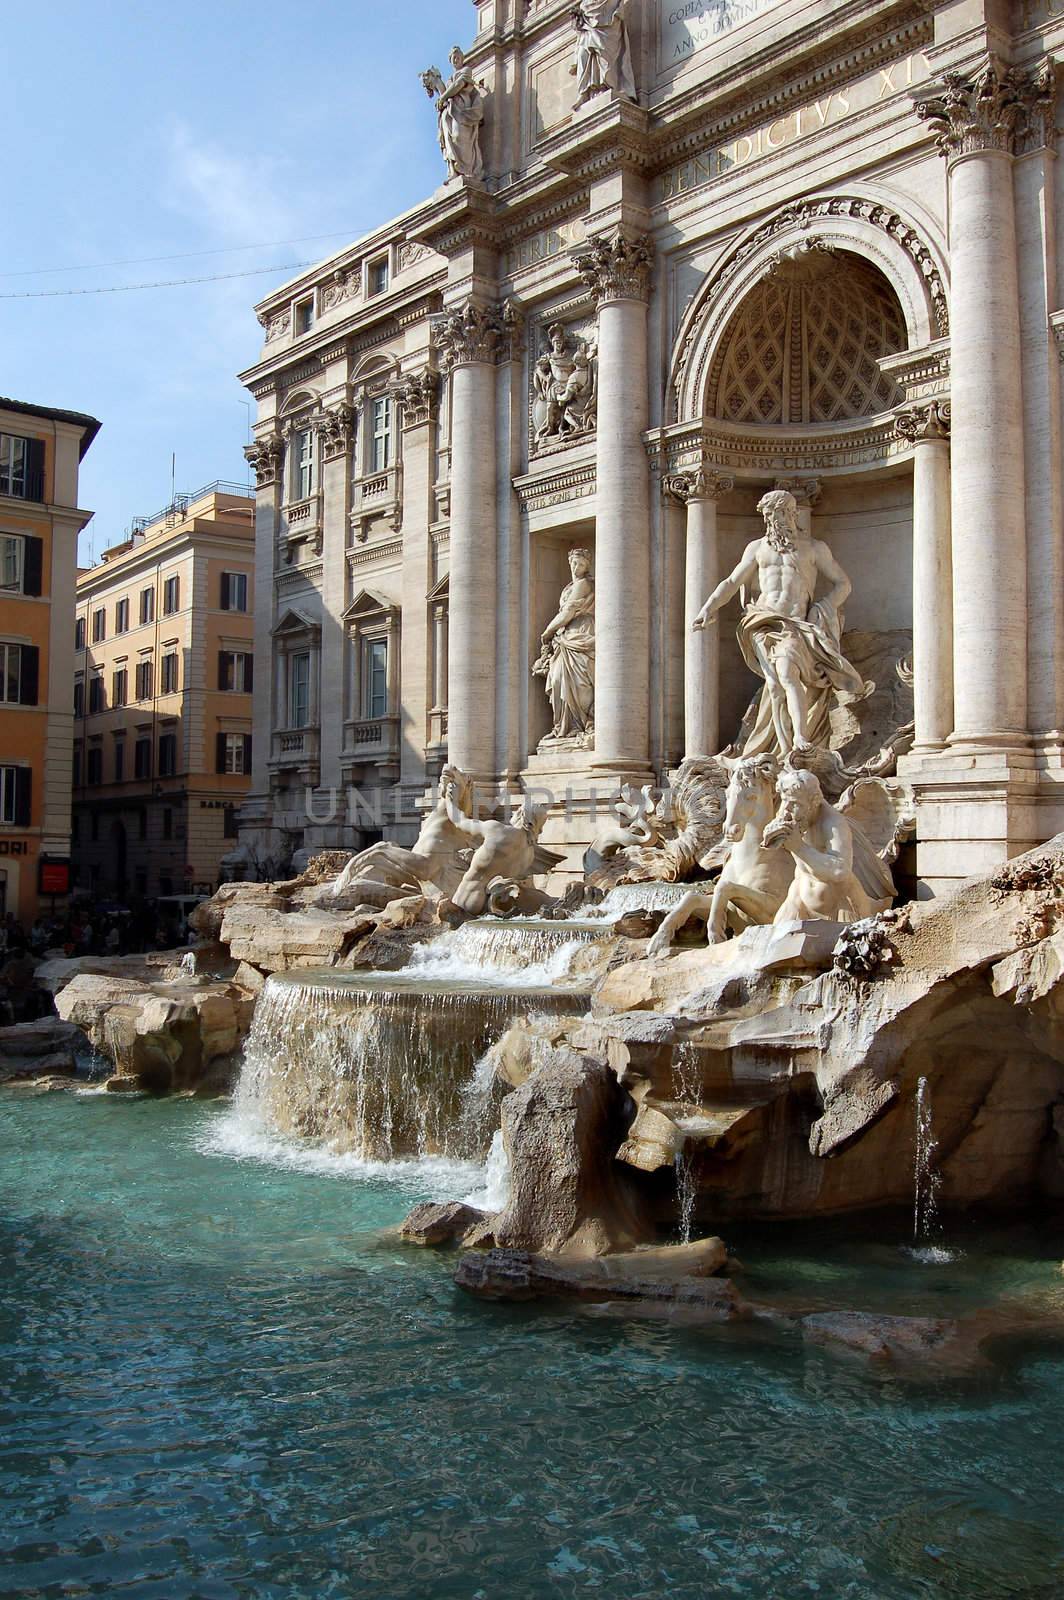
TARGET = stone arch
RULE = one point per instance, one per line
(857, 227)
(298, 401)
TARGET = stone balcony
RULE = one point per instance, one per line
(301, 522)
(296, 750)
(371, 741)
(376, 497)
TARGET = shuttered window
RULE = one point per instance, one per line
(21, 467)
(19, 674)
(16, 796)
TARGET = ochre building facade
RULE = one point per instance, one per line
(41, 450)
(163, 681)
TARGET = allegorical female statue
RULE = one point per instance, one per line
(567, 658)
(603, 53)
(460, 111)
(565, 388)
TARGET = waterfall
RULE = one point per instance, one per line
(524, 952)
(376, 1065)
(686, 1192)
(642, 897)
(928, 1179)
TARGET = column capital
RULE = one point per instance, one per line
(419, 395)
(806, 491)
(264, 457)
(698, 483)
(616, 266)
(335, 428)
(920, 423)
(996, 108)
(475, 333)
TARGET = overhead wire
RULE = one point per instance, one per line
(181, 255)
(164, 283)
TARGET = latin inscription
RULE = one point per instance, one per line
(546, 245)
(798, 124)
(688, 26)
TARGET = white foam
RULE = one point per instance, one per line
(931, 1255)
(237, 1138)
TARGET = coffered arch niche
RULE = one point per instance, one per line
(880, 248)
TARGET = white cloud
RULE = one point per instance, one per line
(235, 198)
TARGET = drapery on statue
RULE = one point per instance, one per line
(567, 659)
(787, 636)
(565, 383)
(603, 53)
(460, 111)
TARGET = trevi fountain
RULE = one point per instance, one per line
(641, 1165)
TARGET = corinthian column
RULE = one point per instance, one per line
(700, 490)
(927, 428)
(468, 340)
(616, 269)
(976, 120)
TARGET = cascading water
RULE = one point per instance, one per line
(641, 897)
(376, 1065)
(686, 1193)
(927, 1183)
(525, 952)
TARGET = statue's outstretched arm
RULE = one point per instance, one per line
(744, 573)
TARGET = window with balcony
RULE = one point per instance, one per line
(99, 626)
(381, 441)
(122, 616)
(303, 477)
(119, 687)
(171, 596)
(299, 690)
(147, 606)
(170, 671)
(19, 674)
(375, 679)
(21, 467)
(235, 671)
(16, 795)
(234, 591)
(21, 564)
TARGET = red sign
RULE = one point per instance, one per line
(53, 877)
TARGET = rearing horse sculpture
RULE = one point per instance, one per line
(755, 881)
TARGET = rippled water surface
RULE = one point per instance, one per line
(219, 1379)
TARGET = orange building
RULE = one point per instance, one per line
(162, 699)
(41, 450)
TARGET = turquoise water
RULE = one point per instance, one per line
(218, 1379)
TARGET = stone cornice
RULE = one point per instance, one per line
(922, 374)
(558, 486)
(616, 266)
(750, 453)
(996, 108)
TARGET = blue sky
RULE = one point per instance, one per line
(138, 128)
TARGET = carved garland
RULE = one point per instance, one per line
(802, 215)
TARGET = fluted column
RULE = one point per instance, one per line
(617, 271)
(700, 491)
(976, 120)
(418, 396)
(468, 340)
(927, 427)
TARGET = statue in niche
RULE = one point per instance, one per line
(566, 388)
(460, 112)
(567, 657)
(603, 52)
(787, 636)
